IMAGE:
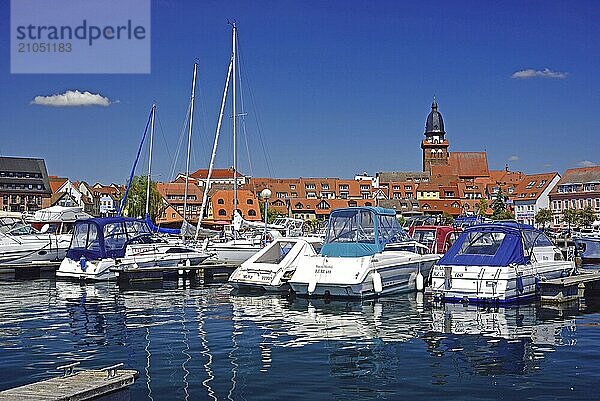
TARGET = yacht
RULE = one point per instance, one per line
(497, 262)
(100, 244)
(272, 267)
(437, 238)
(365, 254)
(45, 239)
(587, 243)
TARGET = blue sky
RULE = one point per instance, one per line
(337, 89)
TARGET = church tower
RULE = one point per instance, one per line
(435, 145)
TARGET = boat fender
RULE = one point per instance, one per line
(82, 262)
(312, 285)
(377, 283)
(419, 282)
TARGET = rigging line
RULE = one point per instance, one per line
(162, 131)
(243, 114)
(263, 143)
(179, 144)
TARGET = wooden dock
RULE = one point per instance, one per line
(74, 386)
(209, 272)
(30, 270)
(572, 288)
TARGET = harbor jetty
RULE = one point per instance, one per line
(74, 385)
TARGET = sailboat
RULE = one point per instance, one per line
(101, 244)
(236, 248)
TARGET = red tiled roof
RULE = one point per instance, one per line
(532, 186)
(217, 173)
(56, 182)
(469, 164)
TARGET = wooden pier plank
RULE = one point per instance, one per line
(80, 386)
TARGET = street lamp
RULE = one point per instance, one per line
(266, 194)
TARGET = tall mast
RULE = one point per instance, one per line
(189, 147)
(233, 62)
(214, 153)
(150, 160)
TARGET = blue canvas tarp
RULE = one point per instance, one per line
(361, 231)
(497, 244)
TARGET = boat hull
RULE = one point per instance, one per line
(138, 258)
(34, 249)
(338, 277)
(588, 249)
(494, 284)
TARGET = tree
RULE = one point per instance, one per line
(447, 218)
(272, 213)
(499, 208)
(571, 217)
(481, 207)
(136, 199)
(543, 217)
(586, 216)
(401, 220)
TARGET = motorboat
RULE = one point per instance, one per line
(498, 262)
(365, 254)
(587, 244)
(437, 238)
(45, 238)
(272, 267)
(100, 244)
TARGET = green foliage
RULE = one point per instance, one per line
(481, 207)
(401, 219)
(543, 217)
(136, 199)
(571, 217)
(447, 218)
(499, 208)
(586, 216)
(272, 213)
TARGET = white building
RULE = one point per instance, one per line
(532, 194)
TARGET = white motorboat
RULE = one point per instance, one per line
(587, 242)
(366, 254)
(272, 267)
(103, 243)
(499, 262)
(22, 244)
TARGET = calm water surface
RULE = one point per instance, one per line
(203, 343)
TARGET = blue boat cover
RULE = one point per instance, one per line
(104, 237)
(361, 231)
(155, 229)
(495, 244)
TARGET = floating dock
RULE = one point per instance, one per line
(209, 272)
(572, 288)
(74, 385)
(33, 269)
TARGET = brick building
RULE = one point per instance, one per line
(24, 184)
(578, 188)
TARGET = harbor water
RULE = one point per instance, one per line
(197, 342)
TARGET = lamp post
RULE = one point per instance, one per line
(266, 194)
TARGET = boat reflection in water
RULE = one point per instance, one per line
(493, 341)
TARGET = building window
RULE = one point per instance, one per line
(581, 203)
(530, 185)
(310, 186)
(343, 187)
(294, 194)
(325, 186)
(220, 201)
(222, 212)
(396, 187)
(251, 212)
(292, 186)
(281, 195)
(364, 187)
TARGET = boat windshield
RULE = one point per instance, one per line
(425, 237)
(351, 226)
(15, 226)
(85, 237)
(481, 243)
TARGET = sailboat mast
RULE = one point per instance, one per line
(150, 160)
(214, 153)
(233, 62)
(189, 147)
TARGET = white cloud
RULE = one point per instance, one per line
(545, 73)
(72, 98)
(586, 163)
(513, 158)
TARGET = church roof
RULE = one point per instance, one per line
(434, 122)
(466, 164)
